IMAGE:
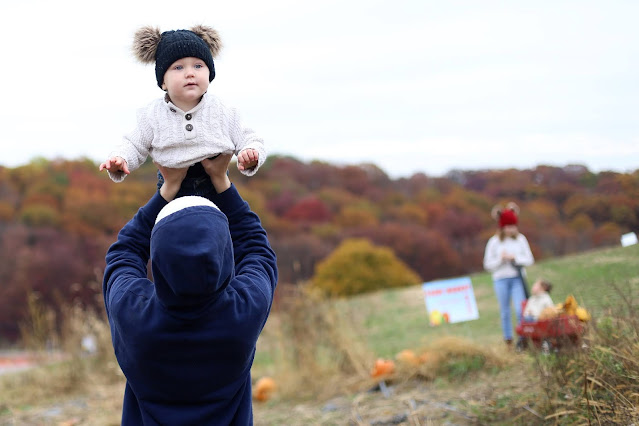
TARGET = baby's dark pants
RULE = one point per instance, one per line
(196, 182)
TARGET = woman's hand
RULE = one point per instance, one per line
(216, 169)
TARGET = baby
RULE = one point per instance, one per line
(539, 300)
(188, 124)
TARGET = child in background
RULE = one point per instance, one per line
(539, 301)
(188, 124)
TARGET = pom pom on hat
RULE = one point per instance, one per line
(506, 216)
(145, 44)
(183, 203)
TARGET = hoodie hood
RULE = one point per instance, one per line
(191, 255)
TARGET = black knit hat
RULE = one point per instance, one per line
(180, 44)
(200, 42)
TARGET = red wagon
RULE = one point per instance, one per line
(552, 333)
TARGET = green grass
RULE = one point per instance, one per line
(387, 322)
(392, 320)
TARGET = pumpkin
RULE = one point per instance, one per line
(264, 388)
(570, 305)
(382, 367)
(582, 314)
(407, 357)
(549, 312)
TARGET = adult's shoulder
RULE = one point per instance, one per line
(493, 239)
(521, 237)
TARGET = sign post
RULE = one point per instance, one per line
(450, 301)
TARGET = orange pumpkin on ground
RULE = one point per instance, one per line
(382, 367)
(264, 388)
(407, 357)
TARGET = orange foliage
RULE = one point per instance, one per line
(6, 211)
(436, 226)
(310, 209)
(352, 216)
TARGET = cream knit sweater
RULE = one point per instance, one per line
(176, 138)
(517, 247)
(537, 303)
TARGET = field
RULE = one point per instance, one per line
(320, 354)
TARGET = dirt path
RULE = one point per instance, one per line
(483, 398)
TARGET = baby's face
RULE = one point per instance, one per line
(186, 80)
(537, 288)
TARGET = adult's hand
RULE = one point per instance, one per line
(216, 169)
(172, 180)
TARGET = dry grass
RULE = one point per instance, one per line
(455, 358)
(597, 383)
(316, 351)
(323, 368)
(314, 346)
(66, 368)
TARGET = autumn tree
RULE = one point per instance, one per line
(357, 266)
(57, 218)
(297, 255)
(424, 250)
(309, 210)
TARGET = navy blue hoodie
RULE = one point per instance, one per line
(186, 340)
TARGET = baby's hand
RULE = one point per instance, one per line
(115, 164)
(247, 159)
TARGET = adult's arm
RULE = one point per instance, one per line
(128, 257)
(492, 256)
(523, 256)
(255, 260)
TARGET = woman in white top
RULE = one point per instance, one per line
(507, 253)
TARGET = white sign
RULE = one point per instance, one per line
(450, 301)
(628, 239)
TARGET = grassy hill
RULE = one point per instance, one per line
(474, 387)
(392, 320)
(384, 323)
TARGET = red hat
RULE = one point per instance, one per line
(507, 217)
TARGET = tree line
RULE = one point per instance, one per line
(58, 217)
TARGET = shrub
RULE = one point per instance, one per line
(357, 266)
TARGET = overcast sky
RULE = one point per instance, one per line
(411, 86)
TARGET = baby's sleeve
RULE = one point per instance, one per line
(135, 146)
(245, 138)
